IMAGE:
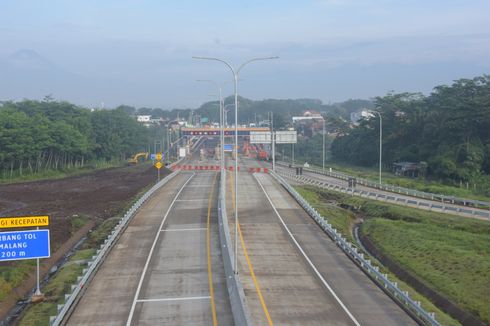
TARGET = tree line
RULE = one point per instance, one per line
(448, 129)
(48, 135)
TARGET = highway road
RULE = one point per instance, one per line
(167, 268)
(292, 273)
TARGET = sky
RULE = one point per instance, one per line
(139, 52)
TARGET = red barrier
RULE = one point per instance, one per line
(258, 170)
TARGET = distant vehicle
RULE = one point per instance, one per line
(143, 156)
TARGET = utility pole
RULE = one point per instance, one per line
(273, 141)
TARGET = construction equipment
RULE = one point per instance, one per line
(142, 156)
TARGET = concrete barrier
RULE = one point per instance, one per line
(241, 314)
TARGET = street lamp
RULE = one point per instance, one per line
(226, 113)
(222, 132)
(323, 147)
(380, 141)
(235, 73)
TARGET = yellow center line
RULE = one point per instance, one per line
(208, 241)
(247, 258)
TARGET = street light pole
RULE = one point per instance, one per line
(226, 113)
(235, 79)
(323, 147)
(380, 141)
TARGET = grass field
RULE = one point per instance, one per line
(341, 219)
(449, 254)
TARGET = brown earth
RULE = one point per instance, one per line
(97, 195)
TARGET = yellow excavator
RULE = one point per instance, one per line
(143, 156)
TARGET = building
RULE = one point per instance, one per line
(356, 116)
(410, 169)
(143, 118)
(309, 124)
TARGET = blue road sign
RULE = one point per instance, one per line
(153, 157)
(228, 147)
(24, 245)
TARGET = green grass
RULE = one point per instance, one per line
(83, 254)
(38, 314)
(341, 219)
(13, 275)
(449, 254)
(97, 236)
(77, 222)
(60, 284)
(451, 257)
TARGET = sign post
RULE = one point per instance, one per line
(276, 137)
(18, 245)
(158, 163)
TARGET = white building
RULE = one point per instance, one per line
(143, 118)
(356, 116)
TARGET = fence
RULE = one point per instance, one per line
(399, 190)
(443, 206)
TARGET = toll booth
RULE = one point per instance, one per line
(352, 182)
(299, 170)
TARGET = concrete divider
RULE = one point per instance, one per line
(241, 314)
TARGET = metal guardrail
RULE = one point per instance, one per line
(239, 308)
(444, 207)
(365, 264)
(72, 298)
(399, 190)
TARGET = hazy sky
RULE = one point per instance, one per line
(139, 52)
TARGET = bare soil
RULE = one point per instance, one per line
(97, 195)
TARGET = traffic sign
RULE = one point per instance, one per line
(159, 156)
(23, 221)
(153, 157)
(260, 137)
(286, 137)
(24, 245)
(158, 165)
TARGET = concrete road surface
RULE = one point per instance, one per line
(161, 270)
(311, 282)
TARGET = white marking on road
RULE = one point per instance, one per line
(175, 230)
(307, 258)
(133, 306)
(174, 299)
